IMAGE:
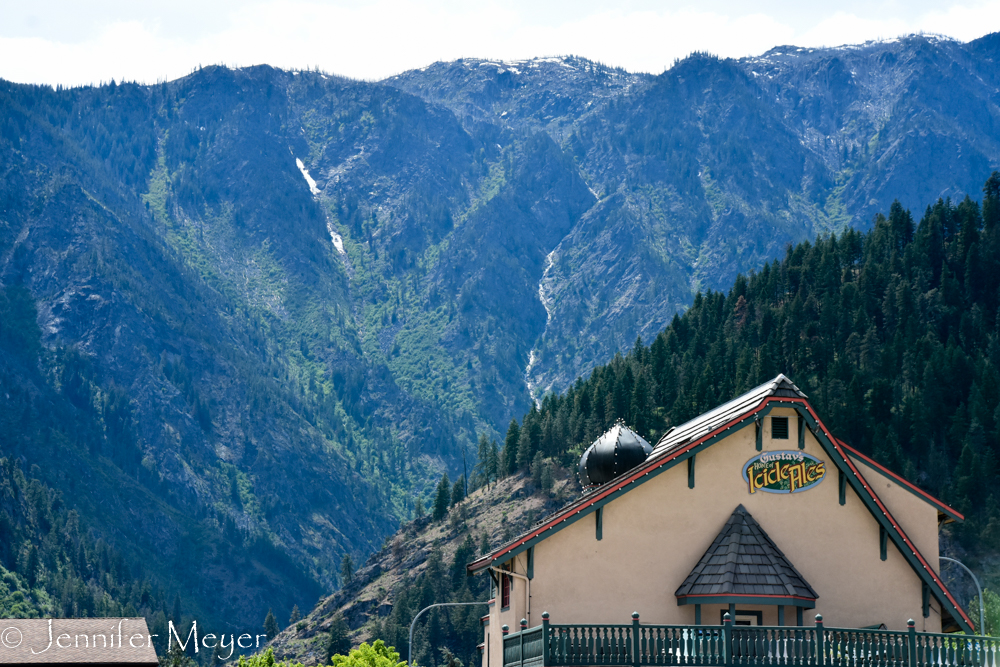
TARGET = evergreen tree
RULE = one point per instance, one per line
(217, 658)
(442, 498)
(346, 569)
(339, 642)
(464, 554)
(176, 657)
(31, 567)
(529, 439)
(418, 508)
(486, 460)
(271, 625)
(546, 478)
(492, 462)
(537, 464)
(508, 456)
(458, 491)
(448, 659)
(484, 544)
(296, 615)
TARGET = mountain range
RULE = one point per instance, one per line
(259, 312)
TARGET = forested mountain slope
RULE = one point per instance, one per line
(422, 564)
(893, 333)
(271, 308)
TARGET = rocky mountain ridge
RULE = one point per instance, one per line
(284, 303)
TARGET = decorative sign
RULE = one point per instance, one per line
(783, 472)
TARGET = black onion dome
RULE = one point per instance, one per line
(617, 451)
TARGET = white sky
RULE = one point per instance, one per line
(88, 41)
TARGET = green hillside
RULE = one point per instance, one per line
(894, 335)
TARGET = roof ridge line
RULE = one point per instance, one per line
(933, 500)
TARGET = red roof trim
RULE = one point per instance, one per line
(888, 515)
(643, 469)
(913, 487)
(637, 473)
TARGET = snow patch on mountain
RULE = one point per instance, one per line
(305, 174)
(335, 238)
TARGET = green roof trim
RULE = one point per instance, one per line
(785, 601)
(682, 451)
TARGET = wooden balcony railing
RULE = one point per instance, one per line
(636, 645)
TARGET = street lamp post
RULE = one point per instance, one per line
(409, 656)
(982, 602)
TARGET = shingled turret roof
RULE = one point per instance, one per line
(743, 562)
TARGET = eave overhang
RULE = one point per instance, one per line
(785, 600)
(951, 513)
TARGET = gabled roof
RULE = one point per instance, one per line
(742, 563)
(683, 442)
(706, 423)
(946, 513)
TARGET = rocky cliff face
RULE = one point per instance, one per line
(303, 296)
(424, 563)
(713, 167)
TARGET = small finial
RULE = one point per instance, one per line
(911, 623)
(726, 618)
(505, 629)
(635, 616)
(524, 623)
(819, 618)
(545, 615)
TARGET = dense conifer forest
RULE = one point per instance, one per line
(51, 566)
(893, 334)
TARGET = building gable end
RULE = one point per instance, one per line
(660, 464)
(941, 507)
(884, 518)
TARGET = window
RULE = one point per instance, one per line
(743, 617)
(779, 428)
(504, 591)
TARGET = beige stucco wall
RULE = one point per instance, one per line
(654, 534)
(918, 518)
